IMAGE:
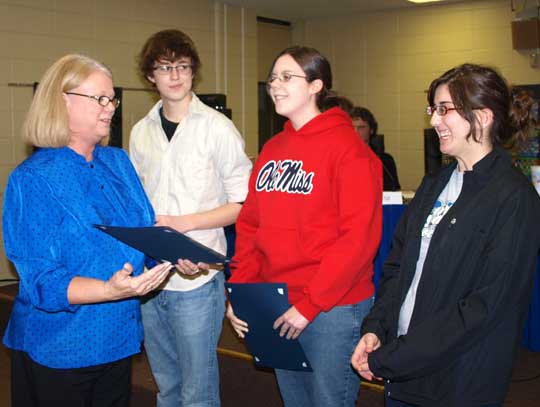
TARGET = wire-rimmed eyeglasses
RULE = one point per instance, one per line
(441, 110)
(181, 69)
(102, 100)
(283, 77)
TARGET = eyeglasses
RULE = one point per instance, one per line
(102, 100)
(181, 69)
(283, 77)
(441, 110)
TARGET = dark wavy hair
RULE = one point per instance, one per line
(477, 87)
(316, 66)
(167, 45)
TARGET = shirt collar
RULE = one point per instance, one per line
(195, 107)
(484, 169)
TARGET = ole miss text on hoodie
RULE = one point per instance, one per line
(313, 215)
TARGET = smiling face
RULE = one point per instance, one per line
(295, 99)
(89, 122)
(453, 130)
(174, 86)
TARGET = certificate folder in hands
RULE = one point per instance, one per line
(260, 305)
(164, 244)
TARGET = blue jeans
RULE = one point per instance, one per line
(329, 342)
(182, 330)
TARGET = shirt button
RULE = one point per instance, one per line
(388, 394)
(91, 165)
(101, 187)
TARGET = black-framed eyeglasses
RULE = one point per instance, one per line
(181, 69)
(283, 77)
(102, 100)
(441, 110)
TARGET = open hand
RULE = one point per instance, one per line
(123, 285)
(359, 360)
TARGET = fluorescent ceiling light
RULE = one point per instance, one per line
(423, 1)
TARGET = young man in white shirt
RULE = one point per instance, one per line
(191, 161)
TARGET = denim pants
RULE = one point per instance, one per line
(182, 330)
(328, 342)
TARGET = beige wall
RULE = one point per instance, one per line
(387, 60)
(271, 40)
(34, 33)
(384, 60)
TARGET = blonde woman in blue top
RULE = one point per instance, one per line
(74, 324)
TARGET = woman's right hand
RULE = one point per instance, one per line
(123, 285)
(239, 326)
(359, 360)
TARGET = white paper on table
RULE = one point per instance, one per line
(392, 198)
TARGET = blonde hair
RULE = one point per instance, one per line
(46, 123)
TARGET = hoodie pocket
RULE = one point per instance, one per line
(283, 252)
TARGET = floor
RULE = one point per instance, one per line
(243, 385)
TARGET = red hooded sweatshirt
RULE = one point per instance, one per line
(313, 215)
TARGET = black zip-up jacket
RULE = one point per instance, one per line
(473, 295)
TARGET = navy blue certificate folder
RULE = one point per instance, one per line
(260, 305)
(164, 244)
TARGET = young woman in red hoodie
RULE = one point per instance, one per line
(312, 219)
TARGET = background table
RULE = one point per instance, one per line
(391, 215)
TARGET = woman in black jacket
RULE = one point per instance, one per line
(447, 321)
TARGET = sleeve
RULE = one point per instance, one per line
(245, 264)
(31, 224)
(505, 278)
(350, 258)
(233, 164)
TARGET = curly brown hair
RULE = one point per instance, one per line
(167, 45)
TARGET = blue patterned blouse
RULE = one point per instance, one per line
(51, 202)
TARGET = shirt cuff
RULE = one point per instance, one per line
(308, 309)
(62, 300)
(373, 364)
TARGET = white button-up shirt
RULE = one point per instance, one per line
(203, 167)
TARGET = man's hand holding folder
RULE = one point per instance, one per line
(182, 224)
(165, 244)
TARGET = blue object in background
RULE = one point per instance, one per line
(391, 215)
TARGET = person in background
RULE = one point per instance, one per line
(366, 126)
(191, 161)
(309, 222)
(456, 287)
(74, 327)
